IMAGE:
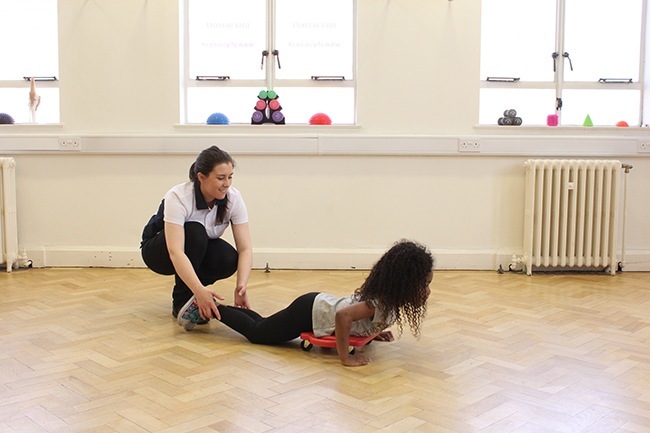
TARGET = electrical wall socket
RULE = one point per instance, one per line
(643, 147)
(70, 144)
(469, 145)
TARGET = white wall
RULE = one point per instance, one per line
(318, 198)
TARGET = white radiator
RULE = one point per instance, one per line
(8, 220)
(571, 214)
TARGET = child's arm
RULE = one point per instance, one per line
(344, 319)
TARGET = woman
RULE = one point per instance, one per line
(184, 237)
(395, 291)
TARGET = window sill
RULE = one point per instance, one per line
(325, 140)
(267, 128)
(27, 127)
(563, 130)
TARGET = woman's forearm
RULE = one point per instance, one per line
(186, 272)
(244, 266)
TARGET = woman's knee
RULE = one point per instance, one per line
(230, 258)
(221, 258)
(195, 233)
(196, 242)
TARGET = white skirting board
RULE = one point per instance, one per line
(335, 259)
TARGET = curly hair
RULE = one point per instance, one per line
(398, 283)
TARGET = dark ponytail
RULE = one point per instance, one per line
(193, 173)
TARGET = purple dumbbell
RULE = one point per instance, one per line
(258, 117)
(277, 116)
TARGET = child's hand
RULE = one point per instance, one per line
(356, 360)
(384, 336)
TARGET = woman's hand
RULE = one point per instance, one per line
(242, 236)
(355, 360)
(241, 298)
(207, 302)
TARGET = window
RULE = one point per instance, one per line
(303, 50)
(29, 30)
(574, 58)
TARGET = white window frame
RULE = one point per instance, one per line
(559, 84)
(270, 62)
(23, 82)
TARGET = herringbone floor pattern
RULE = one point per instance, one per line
(96, 350)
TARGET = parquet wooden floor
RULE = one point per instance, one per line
(96, 350)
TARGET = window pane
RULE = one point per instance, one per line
(15, 103)
(300, 103)
(237, 103)
(532, 105)
(599, 105)
(518, 39)
(603, 39)
(227, 38)
(314, 37)
(28, 29)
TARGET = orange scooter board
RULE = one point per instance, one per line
(309, 340)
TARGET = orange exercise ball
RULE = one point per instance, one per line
(320, 119)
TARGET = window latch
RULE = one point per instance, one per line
(615, 80)
(502, 79)
(328, 77)
(265, 53)
(558, 104)
(566, 56)
(212, 77)
(276, 53)
(52, 78)
(555, 55)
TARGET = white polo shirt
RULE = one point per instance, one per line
(184, 203)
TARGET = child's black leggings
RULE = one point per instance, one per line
(283, 326)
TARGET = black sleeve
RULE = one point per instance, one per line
(155, 224)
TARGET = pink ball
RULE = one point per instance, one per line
(320, 119)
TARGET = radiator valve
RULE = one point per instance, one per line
(516, 263)
(22, 260)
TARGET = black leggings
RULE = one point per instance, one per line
(283, 326)
(212, 259)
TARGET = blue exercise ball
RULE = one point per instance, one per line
(218, 119)
(6, 119)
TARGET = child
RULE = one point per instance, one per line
(395, 291)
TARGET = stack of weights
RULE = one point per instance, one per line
(510, 118)
(267, 109)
